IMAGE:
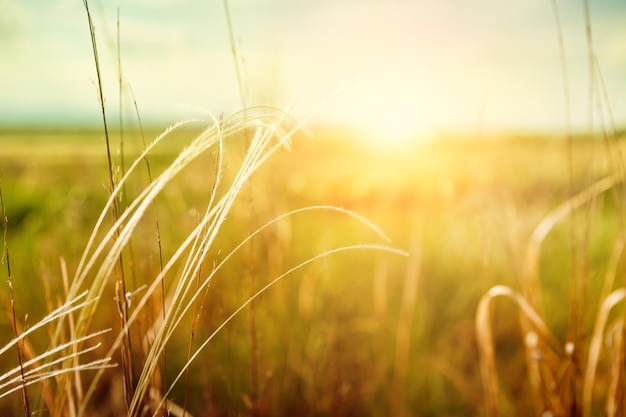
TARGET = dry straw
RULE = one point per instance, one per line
(552, 365)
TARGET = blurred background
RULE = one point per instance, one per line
(451, 125)
(393, 68)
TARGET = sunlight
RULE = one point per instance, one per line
(395, 128)
(401, 126)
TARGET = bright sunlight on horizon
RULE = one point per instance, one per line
(401, 70)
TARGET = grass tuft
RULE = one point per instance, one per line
(552, 366)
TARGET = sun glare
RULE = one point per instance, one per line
(396, 128)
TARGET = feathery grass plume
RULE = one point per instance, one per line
(375, 247)
(197, 254)
(41, 372)
(156, 218)
(219, 158)
(248, 263)
(137, 208)
(102, 265)
(101, 253)
(52, 364)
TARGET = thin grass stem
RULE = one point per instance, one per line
(18, 346)
(271, 284)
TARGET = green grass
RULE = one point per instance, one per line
(328, 336)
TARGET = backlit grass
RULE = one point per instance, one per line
(336, 337)
(231, 266)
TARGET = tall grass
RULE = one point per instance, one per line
(101, 255)
(564, 376)
(561, 383)
(166, 305)
(185, 273)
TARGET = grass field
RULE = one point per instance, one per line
(356, 333)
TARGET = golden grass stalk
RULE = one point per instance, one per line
(36, 375)
(205, 140)
(595, 346)
(301, 265)
(41, 372)
(484, 336)
(615, 338)
(176, 315)
(127, 356)
(219, 161)
(56, 315)
(403, 330)
(18, 347)
(530, 281)
(94, 46)
(43, 366)
(156, 217)
(551, 389)
(197, 254)
(235, 54)
(101, 254)
(131, 216)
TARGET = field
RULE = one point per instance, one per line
(365, 331)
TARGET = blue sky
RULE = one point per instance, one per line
(406, 65)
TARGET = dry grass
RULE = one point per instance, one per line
(562, 375)
(164, 305)
(184, 273)
(114, 349)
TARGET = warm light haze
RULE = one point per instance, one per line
(400, 69)
(279, 208)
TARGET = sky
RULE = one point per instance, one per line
(393, 67)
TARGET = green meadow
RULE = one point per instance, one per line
(401, 321)
(251, 264)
